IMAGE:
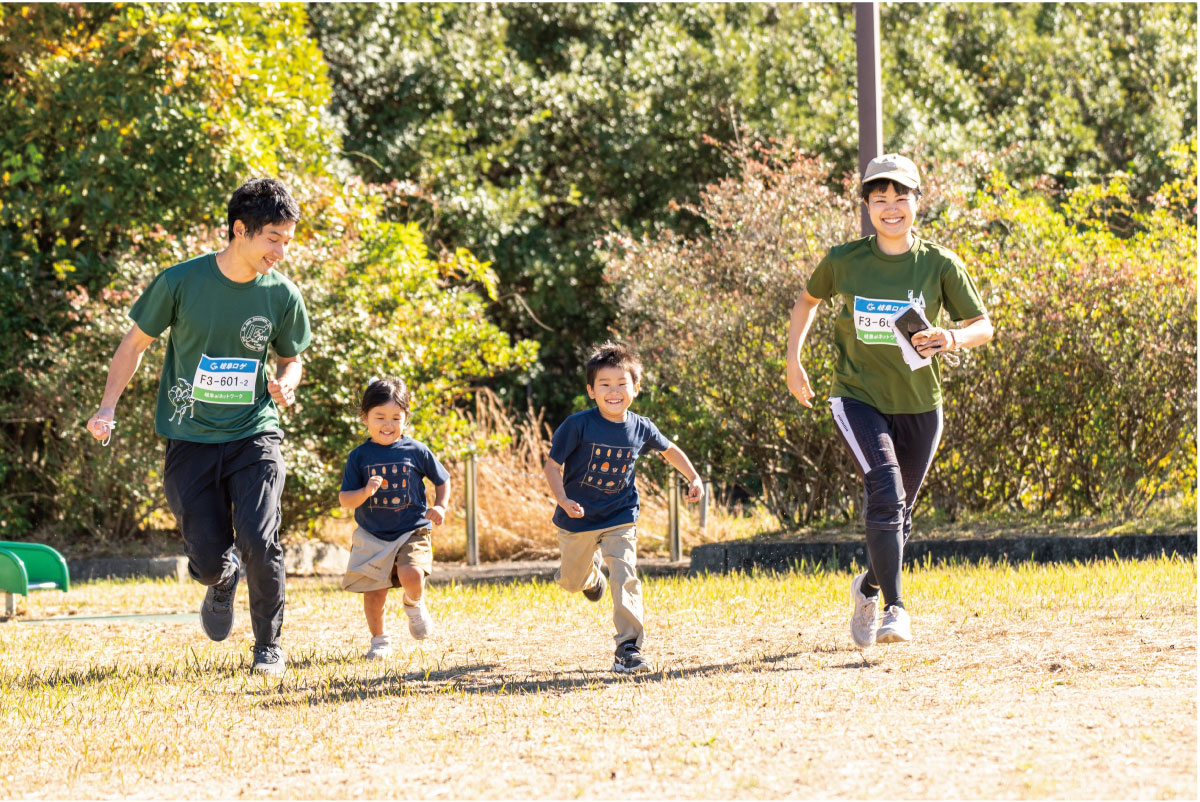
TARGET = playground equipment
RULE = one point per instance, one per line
(30, 566)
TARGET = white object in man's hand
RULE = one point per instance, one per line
(101, 425)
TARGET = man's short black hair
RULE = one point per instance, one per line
(262, 202)
(614, 355)
(882, 185)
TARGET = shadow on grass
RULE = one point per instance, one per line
(463, 680)
(191, 667)
(397, 679)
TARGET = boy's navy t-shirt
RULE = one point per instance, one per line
(598, 457)
(399, 504)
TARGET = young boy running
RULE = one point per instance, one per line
(887, 393)
(224, 470)
(590, 471)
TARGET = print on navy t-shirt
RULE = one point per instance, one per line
(598, 458)
(399, 504)
(610, 467)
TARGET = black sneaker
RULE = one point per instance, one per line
(596, 592)
(629, 660)
(216, 613)
(268, 660)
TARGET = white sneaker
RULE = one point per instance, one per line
(895, 626)
(381, 647)
(866, 609)
(420, 625)
(269, 660)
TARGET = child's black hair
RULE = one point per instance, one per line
(883, 184)
(262, 202)
(614, 355)
(382, 391)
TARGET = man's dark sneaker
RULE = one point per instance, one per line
(596, 592)
(216, 613)
(629, 659)
(269, 660)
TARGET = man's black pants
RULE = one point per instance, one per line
(227, 494)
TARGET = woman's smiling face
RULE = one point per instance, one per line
(893, 210)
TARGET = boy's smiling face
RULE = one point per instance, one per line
(613, 392)
(892, 212)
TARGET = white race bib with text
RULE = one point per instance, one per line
(221, 380)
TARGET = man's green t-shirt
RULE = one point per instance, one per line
(213, 387)
(873, 286)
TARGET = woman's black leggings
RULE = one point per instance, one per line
(893, 453)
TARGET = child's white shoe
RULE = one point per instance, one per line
(381, 647)
(420, 625)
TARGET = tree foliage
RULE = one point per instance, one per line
(123, 117)
(538, 128)
(120, 120)
(1075, 91)
(131, 126)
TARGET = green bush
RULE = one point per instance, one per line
(378, 304)
(381, 305)
(1085, 401)
(121, 122)
(709, 316)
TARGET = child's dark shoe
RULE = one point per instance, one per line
(629, 660)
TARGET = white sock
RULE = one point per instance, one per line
(381, 640)
(409, 602)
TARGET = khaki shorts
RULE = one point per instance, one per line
(373, 561)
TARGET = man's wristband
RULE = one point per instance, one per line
(953, 340)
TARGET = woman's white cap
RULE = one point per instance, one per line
(895, 167)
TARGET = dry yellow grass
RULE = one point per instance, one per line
(1072, 681)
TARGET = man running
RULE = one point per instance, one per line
(218, 410)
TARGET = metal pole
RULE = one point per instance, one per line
(870, 98)
(704, 500)
(469, 498)
(673, 518)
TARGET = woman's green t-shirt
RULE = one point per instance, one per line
(874, 285)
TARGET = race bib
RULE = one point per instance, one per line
(872, 320)
(225, 381)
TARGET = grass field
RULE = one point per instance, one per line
(1072, 681)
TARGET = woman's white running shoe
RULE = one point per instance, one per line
(895, 627)
(866, 610)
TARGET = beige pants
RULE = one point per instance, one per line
(618, 547)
